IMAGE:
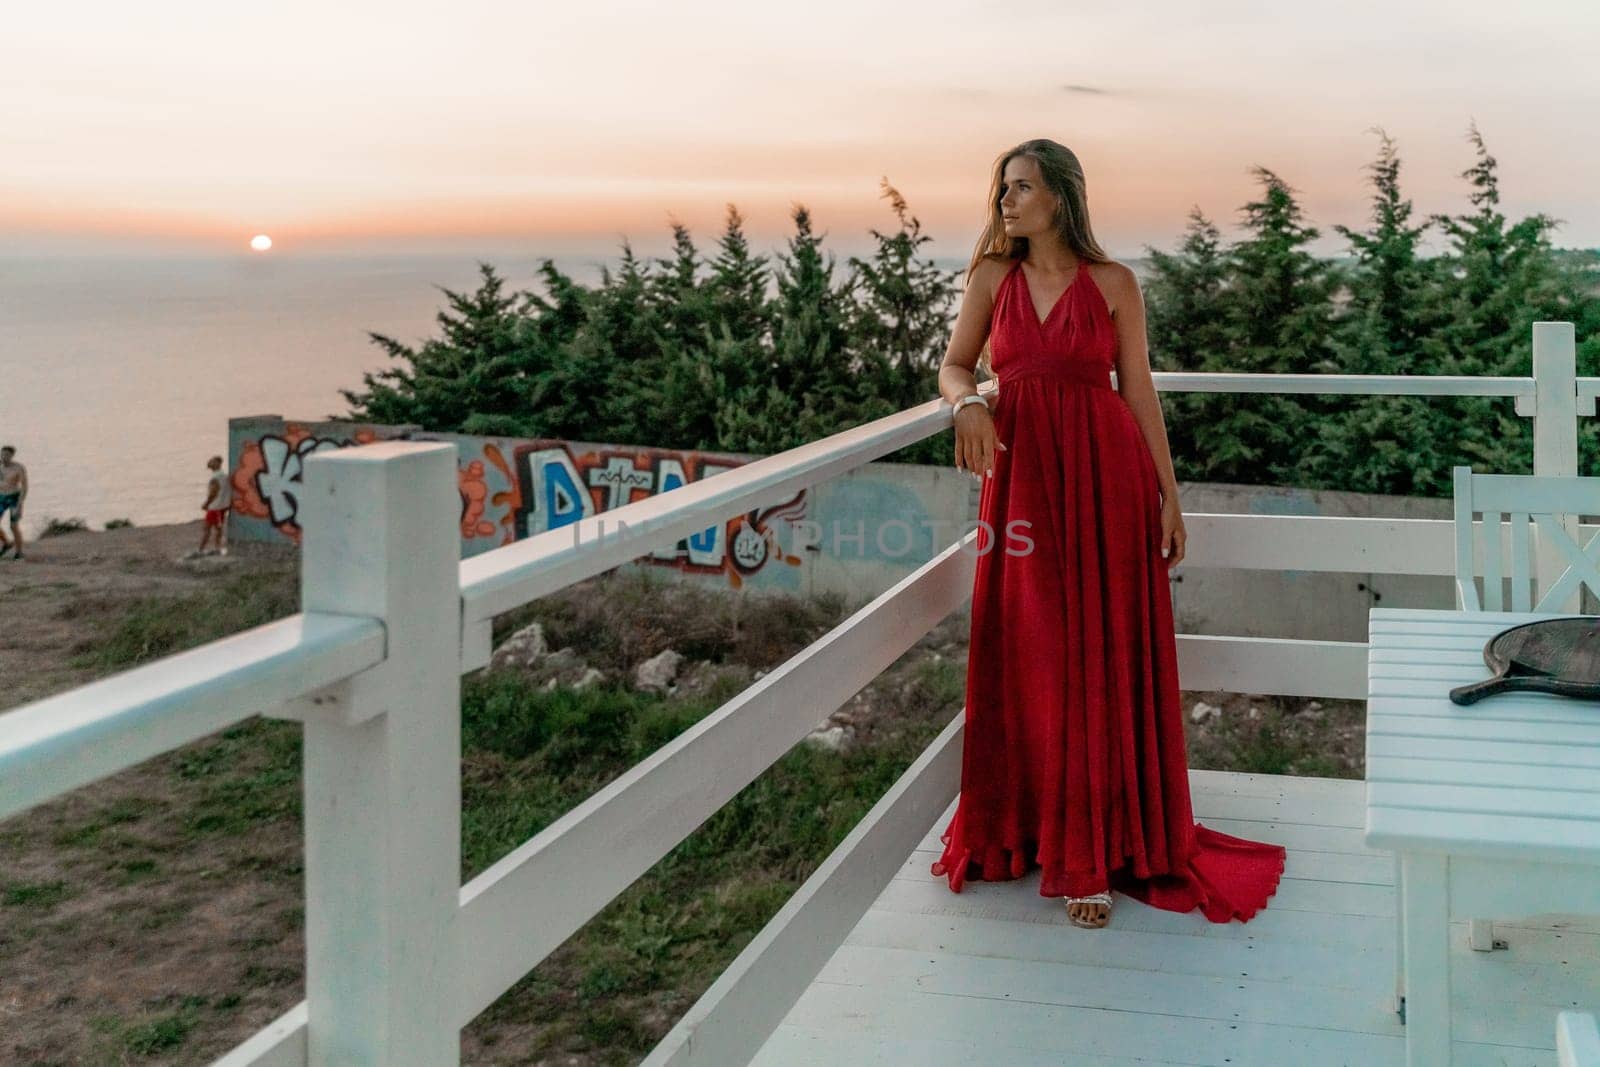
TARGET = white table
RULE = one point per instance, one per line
(1492, 810)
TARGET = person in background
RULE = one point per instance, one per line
(13, 491)
(219, 498)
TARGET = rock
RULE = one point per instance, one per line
(563, 659)
(833, 737)
(657, 673)
(1255, 712)
(523, 649)
(702, 677)
(858, 709)
(1203, 711)
(565, 667)
(527, 651)
(1314, 705)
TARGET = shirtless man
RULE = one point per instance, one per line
(13, 491)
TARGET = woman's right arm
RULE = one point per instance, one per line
(956, 373)
(974, 425)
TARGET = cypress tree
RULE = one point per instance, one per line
(738, 285)
(484, 362)
(673, 390)
(901, 325)
(1185, 324)
(1393, 294)
(1499, 279)
(1502, 276)
(596, 395)
(807, 395)
(1387, 444)
(1276, 312)
(1186, 329)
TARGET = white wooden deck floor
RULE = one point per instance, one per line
(996, 975)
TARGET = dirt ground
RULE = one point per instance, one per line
(106, 905)
(92, 570)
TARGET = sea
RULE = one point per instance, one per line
(119, 373)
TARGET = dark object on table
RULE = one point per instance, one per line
(1559, 656)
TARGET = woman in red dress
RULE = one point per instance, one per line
(1073, 757)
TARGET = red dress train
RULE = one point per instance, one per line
(1074, 757)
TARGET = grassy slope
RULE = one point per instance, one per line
(118, 872)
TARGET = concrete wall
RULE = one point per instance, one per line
(1307, 605)
(854, 535)
(1300, 604)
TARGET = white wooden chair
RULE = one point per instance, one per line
(1577, 1040)
(1524, 499)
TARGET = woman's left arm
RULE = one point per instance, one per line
(1138, 389)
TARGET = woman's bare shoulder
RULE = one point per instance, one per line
(988, 274)
(1113, 273)
(1117, 282)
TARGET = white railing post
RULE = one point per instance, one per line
(1555, 438)
(383, 760)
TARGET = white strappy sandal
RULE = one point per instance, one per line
(1092, 898)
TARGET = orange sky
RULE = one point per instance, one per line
(342, 125)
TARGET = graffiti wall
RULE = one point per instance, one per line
(512, 488)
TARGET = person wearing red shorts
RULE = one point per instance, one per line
(219, 498)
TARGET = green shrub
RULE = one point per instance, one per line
(59, 527)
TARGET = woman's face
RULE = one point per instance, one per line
(1027, 207)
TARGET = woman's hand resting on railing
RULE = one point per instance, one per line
(976, 443)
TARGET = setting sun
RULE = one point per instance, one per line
(261, 242)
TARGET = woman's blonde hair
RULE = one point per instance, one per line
(1063, 176)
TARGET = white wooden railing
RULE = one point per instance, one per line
(399, 956)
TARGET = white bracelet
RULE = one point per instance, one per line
(970, 398)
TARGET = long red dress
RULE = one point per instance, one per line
(1074, 757)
